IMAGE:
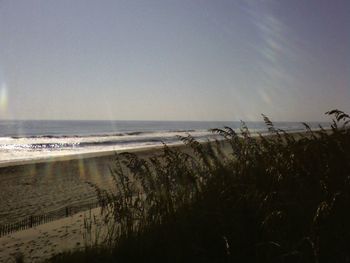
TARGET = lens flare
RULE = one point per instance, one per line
(3, 97)
(276, 52)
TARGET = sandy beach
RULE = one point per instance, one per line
(42, 242)
(43, 186)
(37, 188)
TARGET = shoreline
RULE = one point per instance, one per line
(49, 184)
(41, 186)
(77, 156)
(97, 154)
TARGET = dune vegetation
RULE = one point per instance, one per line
(269, 198)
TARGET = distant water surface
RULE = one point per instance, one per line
(26, 140)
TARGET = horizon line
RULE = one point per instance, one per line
(149, 120)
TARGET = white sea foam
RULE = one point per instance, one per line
(31, 148)
(28, 140)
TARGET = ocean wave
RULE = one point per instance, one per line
(48, 144)
(74, 142)
(135, 133)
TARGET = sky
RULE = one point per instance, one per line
(174, 59)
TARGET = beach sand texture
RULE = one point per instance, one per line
(39, 188)
(44, 241)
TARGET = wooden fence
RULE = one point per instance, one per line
(35, 220)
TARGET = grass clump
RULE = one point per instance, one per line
(274, 198)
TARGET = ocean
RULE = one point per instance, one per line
(28, 140)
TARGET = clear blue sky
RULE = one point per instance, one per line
(174, 60)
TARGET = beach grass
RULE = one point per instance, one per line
(268, 198)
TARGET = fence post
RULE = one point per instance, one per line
(67, 211)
